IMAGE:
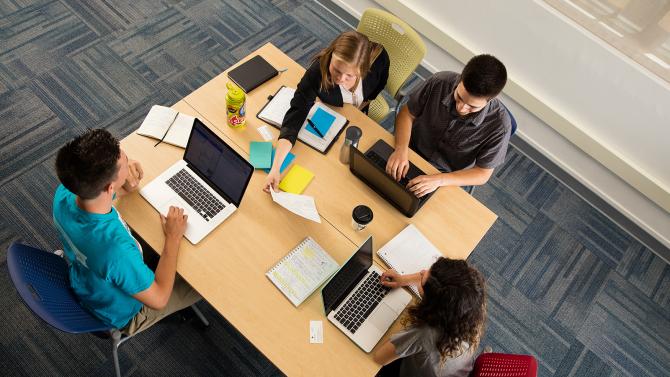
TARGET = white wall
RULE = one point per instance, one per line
(585, 81)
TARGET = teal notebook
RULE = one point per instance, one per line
(322, 120)
(287, 161)
(260, 154)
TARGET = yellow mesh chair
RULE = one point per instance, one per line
(405, 49)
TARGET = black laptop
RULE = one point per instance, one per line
(370, 167)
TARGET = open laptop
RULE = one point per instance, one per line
(370, 167)
(357, 303)
(208, 183)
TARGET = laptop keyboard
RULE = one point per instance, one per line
(362, 303)
(195, 194)
(381, 162)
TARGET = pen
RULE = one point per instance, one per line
(311, 124)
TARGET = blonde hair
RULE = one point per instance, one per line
(353, 48)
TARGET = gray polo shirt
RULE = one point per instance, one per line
(416, 345)
(451, 142)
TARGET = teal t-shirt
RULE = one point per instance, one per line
(106, 266)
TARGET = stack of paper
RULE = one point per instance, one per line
(301, 205)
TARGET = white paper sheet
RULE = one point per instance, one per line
(301, 205)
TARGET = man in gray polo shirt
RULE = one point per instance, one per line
(456, 123)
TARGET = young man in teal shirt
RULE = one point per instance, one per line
(107, 271)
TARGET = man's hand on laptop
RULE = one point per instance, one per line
(398, 164)
(135, 175)
(425, 184)
(174, 224)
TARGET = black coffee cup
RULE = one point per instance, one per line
(361, 217)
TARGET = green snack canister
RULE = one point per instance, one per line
(235, 105)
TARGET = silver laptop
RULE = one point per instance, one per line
(357, 303)
(208, 183)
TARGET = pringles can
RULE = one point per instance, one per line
(235, 106)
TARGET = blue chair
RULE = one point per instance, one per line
(41, 279)
(471, 189)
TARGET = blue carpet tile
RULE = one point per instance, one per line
(565, 283)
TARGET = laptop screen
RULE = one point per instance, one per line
(348, 276)
(216, 162)
(382, 182)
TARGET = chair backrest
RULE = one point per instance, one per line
(41, 278)
(403, 44)
(512, 119)
(503, 364)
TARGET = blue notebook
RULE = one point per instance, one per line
(287, 161)
(322, 120)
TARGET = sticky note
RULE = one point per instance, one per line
(322, 120)
(287, 161)
(296, 180)
(265, 132)
(316, 332)
(260, 154)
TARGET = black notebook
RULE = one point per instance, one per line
(252, 73)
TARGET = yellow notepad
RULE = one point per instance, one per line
(296, 180)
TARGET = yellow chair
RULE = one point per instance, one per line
(405, 49)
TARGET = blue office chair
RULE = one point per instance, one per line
(41, 278)
(471, 189)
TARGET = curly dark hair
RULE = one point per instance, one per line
(484, 76)
(454, 304)
(87, 164)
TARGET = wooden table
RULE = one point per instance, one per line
(228, 266)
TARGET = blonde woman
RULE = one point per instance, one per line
(351, 70)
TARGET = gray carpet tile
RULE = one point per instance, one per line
(30, 131)
(565, 283)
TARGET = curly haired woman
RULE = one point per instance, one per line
(443, 330)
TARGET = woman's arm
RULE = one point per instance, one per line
(385, 354)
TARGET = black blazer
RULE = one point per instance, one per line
(308, 90)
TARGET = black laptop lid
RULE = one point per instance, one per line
(347, 277)
(383, 183)
(217, 163)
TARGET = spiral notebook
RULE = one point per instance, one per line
(409, 252)
(302, 271)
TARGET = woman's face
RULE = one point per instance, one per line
(343, 73)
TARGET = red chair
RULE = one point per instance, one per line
(504, 365)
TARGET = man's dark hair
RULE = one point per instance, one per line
(88, 163)
(484, 76)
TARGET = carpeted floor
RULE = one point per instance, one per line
(565, 283)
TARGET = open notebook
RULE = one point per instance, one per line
(328, 122)
(302, 271)
(168, 125)
(409, 252)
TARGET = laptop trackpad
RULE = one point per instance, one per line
(383, 317)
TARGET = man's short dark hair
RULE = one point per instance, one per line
(87, 164)
(484, 76)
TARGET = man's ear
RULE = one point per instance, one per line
(109, 188)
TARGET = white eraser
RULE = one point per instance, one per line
(316, 332)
